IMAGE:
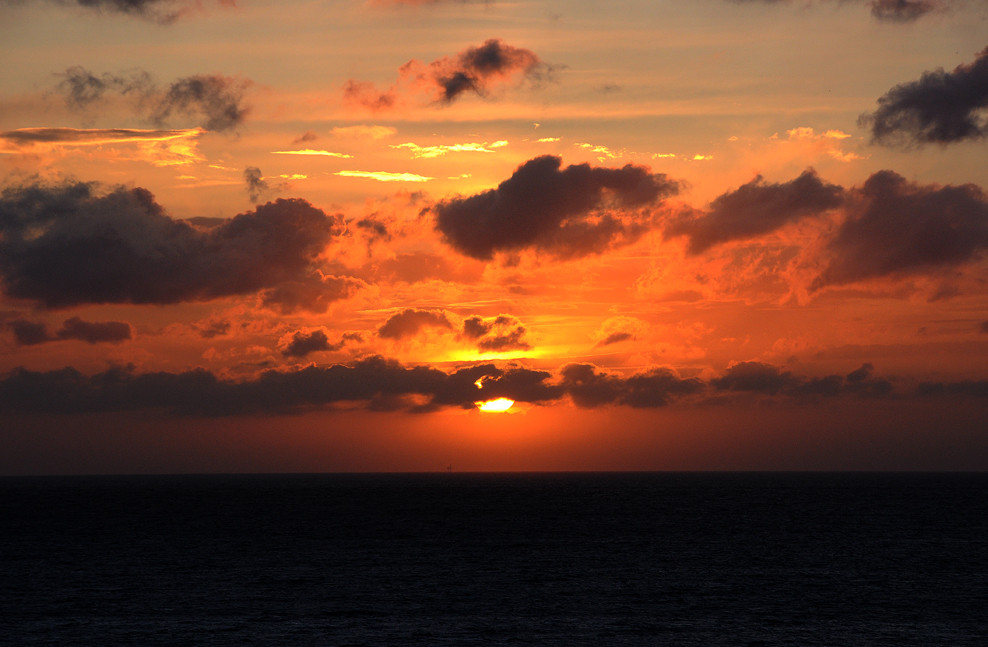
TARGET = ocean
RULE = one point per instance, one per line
(740, 559)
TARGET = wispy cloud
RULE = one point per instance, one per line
(157, 147)
(213, 101)
(313, 152)
(385, 176)
(442, 149)
(371, 132)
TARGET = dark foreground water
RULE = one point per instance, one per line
(553, 559)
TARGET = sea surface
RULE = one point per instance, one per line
(496, 559)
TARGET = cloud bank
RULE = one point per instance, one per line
(377, 383)
(70, 245)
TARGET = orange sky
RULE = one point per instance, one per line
(260, 236)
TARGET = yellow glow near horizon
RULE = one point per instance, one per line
(496, 406)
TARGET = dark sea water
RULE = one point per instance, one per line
(536, 559)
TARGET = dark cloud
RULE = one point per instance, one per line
(212, 329)
(757, 208)
(314, 292)
(766, 379)
(571, 212)
(375, 229)
(476, 70)
(410, 321)
(902, 10)
(81, 88)
(884, 10)
(941, 107)
(159, 11)
(94, 332)
(616, 338)
(215, 101)
(302, 343)
(29, 333)
(588, 387)
(496, 334)
(964, 388)
(69, 245)
(255, 183)
(755, 376)
(381, 384)
(26, 137)
(897, 227)
(212, 101)
(373, 381)
(984, 327)
(307, 136)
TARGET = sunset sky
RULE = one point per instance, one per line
(262, 236)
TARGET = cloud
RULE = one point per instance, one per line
(618, 329)
(941, 107)
(899, 11)
(475, 70)
(364, 131)
(440, 150)
(212, 101)
(896, 227)
(314, 292)
(255, 183)
(419, 3)
(212, 328)
(377, 383)
(410, 321)
(28, 333)
(157, 147)
(302, 343)
(571, 212)
(902, 10)
(218, 100)
(69, 245)
(384, 176)
(307, 136)
(755, 376)
(590, 388)
(496, 334)
(313, 152)
(757, 208)
(160, 11)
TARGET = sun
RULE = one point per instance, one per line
(496, 406)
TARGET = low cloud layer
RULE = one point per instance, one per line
(71, 245)
(476, 70)
(567, 212)
(940, 108)
(757, 208)
(212, 101)
(381, 384)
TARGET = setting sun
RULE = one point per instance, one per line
(499, 405)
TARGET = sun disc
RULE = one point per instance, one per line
(498, 405)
